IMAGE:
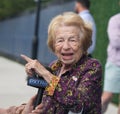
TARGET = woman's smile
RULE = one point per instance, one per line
(67, 56)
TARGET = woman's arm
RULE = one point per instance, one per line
(35, 67)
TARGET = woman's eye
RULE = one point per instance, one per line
(73, 40)
(59, 41)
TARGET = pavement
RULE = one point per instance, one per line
(13, 86)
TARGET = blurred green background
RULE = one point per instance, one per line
(11, 8)
(102, 10)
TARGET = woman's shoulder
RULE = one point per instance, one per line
(54, 65)
(93, 60)
(93, 63)
(92, 67)
(53, 62)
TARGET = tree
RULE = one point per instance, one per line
(10, 8)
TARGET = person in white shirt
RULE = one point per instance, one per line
(82, 8)
(112, 66)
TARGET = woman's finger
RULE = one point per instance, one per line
(26, 58)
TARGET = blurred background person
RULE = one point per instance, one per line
(82, 9)
(112, 67)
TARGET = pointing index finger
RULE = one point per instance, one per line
(26, 58)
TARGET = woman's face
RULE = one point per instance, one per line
(68, 47)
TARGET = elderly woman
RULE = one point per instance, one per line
(75, 85)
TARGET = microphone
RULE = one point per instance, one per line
(40, 83)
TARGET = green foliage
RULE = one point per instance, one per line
(102, 10)
(9, 8)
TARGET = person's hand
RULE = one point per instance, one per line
(28, 107)
(10, 110)
(20, 109)
(3, 111)
(33, 66)
(38, 109)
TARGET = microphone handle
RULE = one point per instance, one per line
(39, 97)
(41, 91)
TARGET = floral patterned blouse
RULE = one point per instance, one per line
(78, 89)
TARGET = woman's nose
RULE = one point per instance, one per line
(66, 45)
